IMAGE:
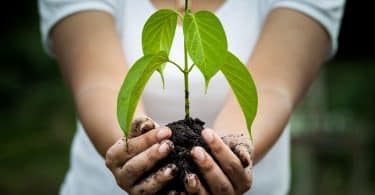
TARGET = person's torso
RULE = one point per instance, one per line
(242, 21)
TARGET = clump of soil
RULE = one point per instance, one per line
(185, 135)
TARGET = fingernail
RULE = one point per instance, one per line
(172, 192)
(164, 148)
(208, 135)
(170, 170)
(191, 181)
(198, 154)
(167, 171)
(163, 133)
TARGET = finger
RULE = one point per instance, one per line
(120, 152)
(229, 162)
(215, 177)
(140, 126)
(242, 151)
(156, 181)
(249, 172)
(172, 192)
(141, 163)
(115, 156)
(238, 143)
(138, 144)
(193, 185)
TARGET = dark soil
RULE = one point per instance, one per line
(185, 135)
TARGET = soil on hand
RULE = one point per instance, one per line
(185, 135)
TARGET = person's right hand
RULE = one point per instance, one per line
(146, 146)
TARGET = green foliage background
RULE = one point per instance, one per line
(333, 129)
(37, 118)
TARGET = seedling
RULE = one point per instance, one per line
(206, 44)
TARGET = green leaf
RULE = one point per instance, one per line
(242, 86)
(133, 86)
(206, 42)
(158, 34)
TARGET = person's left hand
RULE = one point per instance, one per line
(230, 173)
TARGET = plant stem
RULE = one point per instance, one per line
(186, 5)
(191, 67)
(186, 75)
(177, 66)
(186, 82)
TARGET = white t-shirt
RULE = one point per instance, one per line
(242, 21)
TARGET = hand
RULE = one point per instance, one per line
(230, 174)
(146, 146)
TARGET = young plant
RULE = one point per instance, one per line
(206, 44)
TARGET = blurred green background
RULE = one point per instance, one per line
(332, 130)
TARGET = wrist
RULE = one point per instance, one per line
(274, 109)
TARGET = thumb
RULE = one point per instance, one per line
(141, 125)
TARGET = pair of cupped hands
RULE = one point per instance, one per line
(148, 143)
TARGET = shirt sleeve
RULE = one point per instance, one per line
(327, 12)
(53, 11)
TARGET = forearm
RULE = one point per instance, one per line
(90, 56)
(273, 113)
(287, 56)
